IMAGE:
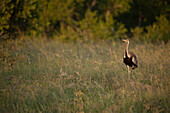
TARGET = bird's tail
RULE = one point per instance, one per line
(134, 66)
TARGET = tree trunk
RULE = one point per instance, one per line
(20, 33)
(107, 15)
(139, 21)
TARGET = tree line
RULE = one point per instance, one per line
(86, 19)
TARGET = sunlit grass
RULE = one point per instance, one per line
(86, 77)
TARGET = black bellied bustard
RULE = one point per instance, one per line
(129, 58)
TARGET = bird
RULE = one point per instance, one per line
(129, 58)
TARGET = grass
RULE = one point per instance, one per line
(85, 77)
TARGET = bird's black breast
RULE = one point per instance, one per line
(128, 61)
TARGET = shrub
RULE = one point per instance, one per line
(94, 27)
(160, 30)
(138, 33)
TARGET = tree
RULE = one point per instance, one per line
(143, 12)
(112, 7)
(17, 16)
(52, 14)
(5, 14)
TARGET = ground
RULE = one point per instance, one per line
(85, 77)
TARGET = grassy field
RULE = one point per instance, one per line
(86, 77)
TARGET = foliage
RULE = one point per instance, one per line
(138, 33)
(18, 16)
(92, 27)
(143, 12)
(160, 30)
(68, 34)
(86, 19)
(54, 14)
(112, 7)
(5, 14)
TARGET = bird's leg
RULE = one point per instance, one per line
(128, 72)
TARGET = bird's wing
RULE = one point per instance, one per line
(134, 60)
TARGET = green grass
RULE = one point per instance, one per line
(85, 77)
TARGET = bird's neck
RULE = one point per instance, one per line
(127, 46)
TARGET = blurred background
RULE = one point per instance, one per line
(66, 56)
(71, 20)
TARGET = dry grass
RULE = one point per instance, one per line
(86, 77)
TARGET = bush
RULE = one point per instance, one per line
(93, 27)
(138, 33)
(160, 30)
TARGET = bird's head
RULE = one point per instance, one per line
(126, 40)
